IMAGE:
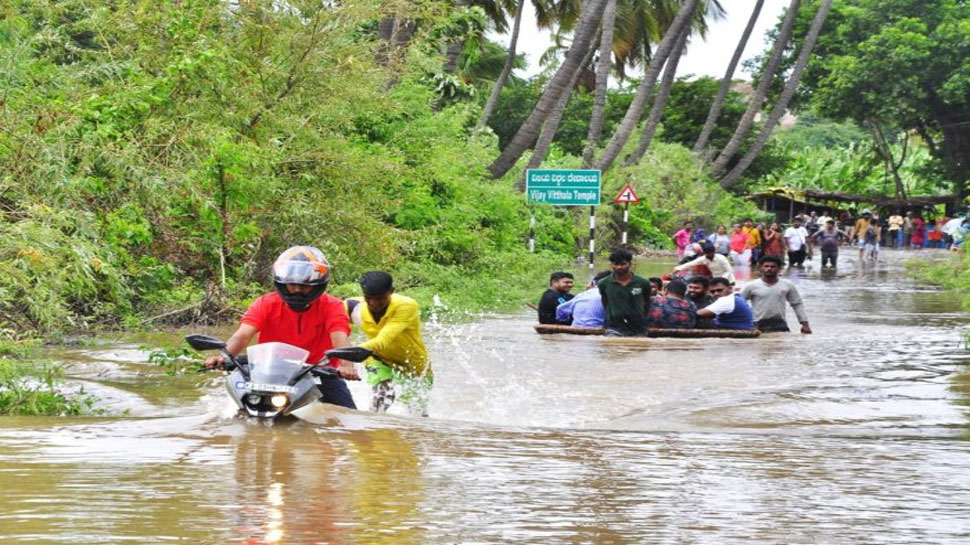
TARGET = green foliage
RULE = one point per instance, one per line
(897, 62)
(516, 102)
(176, 361)
(855, 169)
(673, 188)
(952, 274)
(813, 131)
(687, 109)
(30, 388)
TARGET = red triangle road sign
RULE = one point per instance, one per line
(627, 196)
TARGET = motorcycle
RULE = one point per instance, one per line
(273, 379)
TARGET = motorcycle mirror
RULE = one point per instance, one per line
(204, 342)
(351, 353)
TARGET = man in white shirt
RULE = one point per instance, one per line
(797, 238)
(715, 263)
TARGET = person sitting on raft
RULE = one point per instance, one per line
(672, 311)
(656, 285)
(626, 298)
(709, 263)
(558, 293)
(768, 296)
(697, 287)
(586, 309)
(729, 310)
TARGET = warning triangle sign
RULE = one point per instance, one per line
(627, 196)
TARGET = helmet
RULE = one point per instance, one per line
(305, 266)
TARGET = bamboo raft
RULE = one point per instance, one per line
(547, 329)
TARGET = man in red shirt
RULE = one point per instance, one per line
(301, 314)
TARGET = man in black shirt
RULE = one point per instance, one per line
(558, 293)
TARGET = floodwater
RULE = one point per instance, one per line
(856, 434)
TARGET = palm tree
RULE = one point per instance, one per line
(722, 91)
(506, 70)
(645, 89)
(789, 91)
(551, 125)
(754, 106)
(660, 102)
(559, 84)
(602, 79)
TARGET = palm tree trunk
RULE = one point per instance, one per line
(660, 102)
(529, 130)
(506, 70)
(635, 111)
(725, 86)
(754, 106)
(602, 80)
(782, 105)
(551, 125)
(454, 48)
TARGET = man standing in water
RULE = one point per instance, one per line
(626, 298)
(796, 239)
(301, 314)
(682, 238)
(560, 283)
(392, 325)
(768, 295)
(829, 240)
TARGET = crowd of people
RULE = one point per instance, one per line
(748, 242)
(701, 292)
(625, 304)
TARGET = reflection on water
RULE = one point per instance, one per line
(854, 434)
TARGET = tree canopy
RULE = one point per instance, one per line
(899, 62)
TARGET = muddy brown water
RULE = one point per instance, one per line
(856, 434)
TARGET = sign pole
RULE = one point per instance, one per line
(626, 220)
(592, 241)
(626, 196)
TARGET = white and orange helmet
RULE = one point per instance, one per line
(305, 266)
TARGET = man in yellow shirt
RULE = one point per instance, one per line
(754, 240)
(391, 322)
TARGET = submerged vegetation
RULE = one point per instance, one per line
(33, 387)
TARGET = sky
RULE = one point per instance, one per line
(704, 57)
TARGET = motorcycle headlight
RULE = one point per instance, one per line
(254, 399)
(279, 400)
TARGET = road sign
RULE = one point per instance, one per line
(627, 196)
(563, 187)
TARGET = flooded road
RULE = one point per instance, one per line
(856, 434)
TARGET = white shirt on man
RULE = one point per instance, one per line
(719, 266)
(795, 236)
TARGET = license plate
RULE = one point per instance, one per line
(282, 388)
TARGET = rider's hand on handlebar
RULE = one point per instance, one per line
(215, 362)
(348, 371)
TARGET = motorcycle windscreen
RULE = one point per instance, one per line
(275, 363)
